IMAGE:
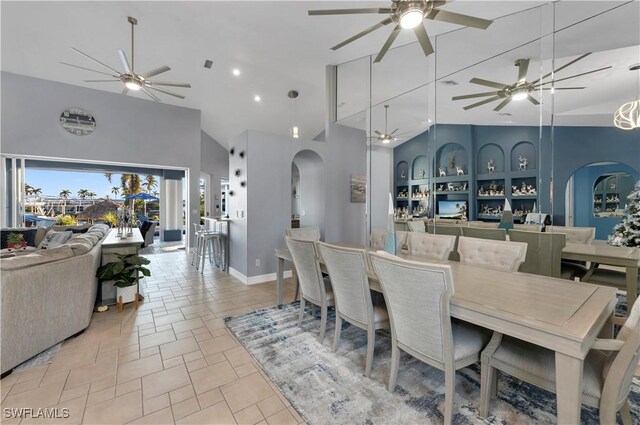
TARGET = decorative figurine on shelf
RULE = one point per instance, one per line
(523, 163)
(403, 176)
(481, 191)
(612, 186)
(442, 172)
(531, 190)
(523, 188)
(463, 187)
(459, 170)
(514, 190)
(440, 188)
(450, 187)
(421, 174)
(491, 167)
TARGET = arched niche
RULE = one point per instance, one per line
(490, 152)
(450, 156)
(595, 188)
(526, 151)
(402, 171)
(311, 188)
(419, 168)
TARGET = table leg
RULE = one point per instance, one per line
(279, 280)
(632, 286)
(568, 388)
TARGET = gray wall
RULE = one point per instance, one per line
(268, 176)
(238, 204)
(381, 185)
(128, 130)
(214, 160)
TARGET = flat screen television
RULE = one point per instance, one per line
(452, 209)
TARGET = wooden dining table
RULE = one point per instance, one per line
(601, 253)
(557, 314)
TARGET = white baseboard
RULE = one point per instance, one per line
(252, 280)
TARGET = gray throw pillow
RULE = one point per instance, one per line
(55, 239)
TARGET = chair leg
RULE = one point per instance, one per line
(323, 321)
(203, 255)
(487, 380)
(302, 306)
(449, 385)
(371, 345)
(625, 413)
(395, 364)
(336, 335)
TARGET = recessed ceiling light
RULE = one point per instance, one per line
(257, 98)
(208, 64)
(235, 72)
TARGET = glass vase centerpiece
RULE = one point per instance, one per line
(125, 221)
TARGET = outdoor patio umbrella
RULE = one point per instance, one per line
(145, 197)
(99, 209)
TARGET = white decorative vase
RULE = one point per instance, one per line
(128, 293)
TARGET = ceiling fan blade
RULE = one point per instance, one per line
(563, 88)
(392, 37)
(151, 95)
(482, 102)
(393, 132)
(523, 67)
(92, 70)
(101, 81)
(166, 92)
(573, 76)
(166, 83)
(532, 99)
(348, 11)
(423, 38)
(362, 34)
(562, 67)
(459, 19)
(125, 91)
(502, 104)
(488, 83)
(156, 71)
(471, 96)
(95, 60)
(125, 62)
(377, 132)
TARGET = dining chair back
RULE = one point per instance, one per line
(608, 368)
(416, 226)
(527, 227)
(447, 229)
(429, 245)
(304, 233)
(401, 240)
(417, 295)
(378, 236)
(347, 269)
(313, 287)
(483, 224)
(544, 252)
(582, 235)
(485, 233)
(500, 255)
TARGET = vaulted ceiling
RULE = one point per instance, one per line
(278, 47)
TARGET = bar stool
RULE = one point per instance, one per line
(211, 242)
(195, 257)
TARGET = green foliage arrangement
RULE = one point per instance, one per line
(126, 271)
(66, 220)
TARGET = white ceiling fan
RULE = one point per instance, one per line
(133, 81)
(387, 137)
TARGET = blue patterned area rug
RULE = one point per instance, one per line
(330, 388)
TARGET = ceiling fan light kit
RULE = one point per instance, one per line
(132, 80)
(407, 14)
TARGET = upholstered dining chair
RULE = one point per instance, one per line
(484, 233)
(378, 236)
(584, 235)
(447, 229)
(416, 226)
(353, 302)
(608, 368)
(313, 287)
(417, 296)
(429, 245)
(304, 233)
(499, 255)
(544, 251)
(401, 239)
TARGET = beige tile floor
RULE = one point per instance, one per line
(170, 361)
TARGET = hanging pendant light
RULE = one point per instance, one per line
(627, 117)
(294, 131)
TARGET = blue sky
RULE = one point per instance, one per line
(53, 182)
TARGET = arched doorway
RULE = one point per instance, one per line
(308, 190)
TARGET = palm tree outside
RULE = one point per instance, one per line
(130, 184)
(150, 182)
(83, 193)
(108, 176)
(64, 194)
(115, 190)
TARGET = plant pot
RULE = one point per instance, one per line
(128, 293)
(16, 245)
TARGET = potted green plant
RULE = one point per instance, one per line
(125, 274)
(15, 241)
